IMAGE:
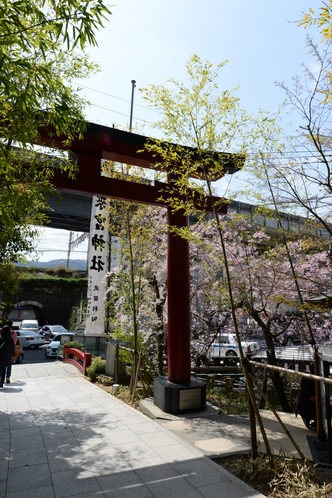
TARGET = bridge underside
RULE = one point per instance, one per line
(70, 212)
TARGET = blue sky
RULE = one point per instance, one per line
(151, 40)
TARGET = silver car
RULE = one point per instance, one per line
(30, 339)
(50, 331)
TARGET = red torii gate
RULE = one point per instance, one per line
(100, 142)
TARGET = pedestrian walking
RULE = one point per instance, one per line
(7, 352)
(13, 333)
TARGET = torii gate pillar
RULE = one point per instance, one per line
(179, 392)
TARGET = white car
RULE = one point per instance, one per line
(30, 339)
(225, 346)
(52, 348)
(32, 325)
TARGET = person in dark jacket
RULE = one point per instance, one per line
(7, 352)
(306, 405)
(13, 333)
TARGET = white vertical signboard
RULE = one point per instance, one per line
(97, 267)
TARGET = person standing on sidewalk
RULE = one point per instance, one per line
(7, 352)
(14, 336)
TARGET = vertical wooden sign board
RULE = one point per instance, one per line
(97, 267)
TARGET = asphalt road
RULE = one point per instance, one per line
(36, 355)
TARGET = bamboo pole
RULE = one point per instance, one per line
(326, 380)
(137, 373)
(288, 434)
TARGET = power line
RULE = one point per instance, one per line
(118, 98)
(273, 154)
(121, 113)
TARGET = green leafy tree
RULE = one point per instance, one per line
(323, 20)
(38, 65)
(214, 124)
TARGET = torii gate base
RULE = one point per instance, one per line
(177, 398)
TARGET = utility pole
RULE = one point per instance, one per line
(133, 83)
(71, 235)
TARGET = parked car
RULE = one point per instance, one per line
(32, 325)
(30, 339)
(225, 346)
(52, 348)
(50, 331)
(19, 353)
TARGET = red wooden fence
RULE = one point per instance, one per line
(76, 357)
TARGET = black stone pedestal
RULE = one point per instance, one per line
(178, 398)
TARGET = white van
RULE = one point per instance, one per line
(30, 325)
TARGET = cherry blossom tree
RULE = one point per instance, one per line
(263, 285)
(138, 284)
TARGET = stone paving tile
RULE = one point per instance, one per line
(33, 476)
(28, 456)
(178, 486)
(24, 432)
(177, 453)
(155, 473)
(27, 442)
(199, 473)
(135, 451)
(121, 436)
(44, 492)
(74, 482)
(3, 470)
(124, 485)
(65, 458)
(158, 439)
(3, 486)
(233, 491)
(110, 463)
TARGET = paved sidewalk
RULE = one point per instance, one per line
(216, 434)
(62, 436)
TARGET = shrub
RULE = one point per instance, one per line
(76, 345)
(97, 367)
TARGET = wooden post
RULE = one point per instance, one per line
(116, 363)
(253, 432)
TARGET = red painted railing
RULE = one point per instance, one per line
(77, 357)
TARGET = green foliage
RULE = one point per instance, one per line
(52, 279)
(213, 131)
(322, 20)
(54, 272)
(37, 89)
(105, 380)
(73, 318)
(9, 283)
(235, 403)
(53, 283)
(76, 345)
(97, 367)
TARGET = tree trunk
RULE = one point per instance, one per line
(160, 326)
(276, 378)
